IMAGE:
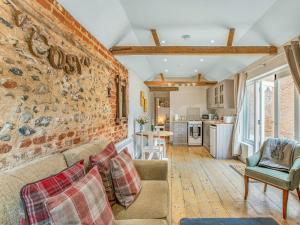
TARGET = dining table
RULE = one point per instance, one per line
(161, 134)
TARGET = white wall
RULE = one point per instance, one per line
(136, 84)
(187, 97)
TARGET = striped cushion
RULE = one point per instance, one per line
(102, 161)
(84, 203)
(127, 182)
(35, 194)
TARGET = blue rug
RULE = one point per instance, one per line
(228, 221)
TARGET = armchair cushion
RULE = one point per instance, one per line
(277, 154)
(274, 177)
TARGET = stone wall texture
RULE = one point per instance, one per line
(46, 109)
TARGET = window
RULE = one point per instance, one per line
(271, 108)
(286, 107)
(249, 110)
(268, 106)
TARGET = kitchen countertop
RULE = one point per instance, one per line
(215, 122)
(204, 121)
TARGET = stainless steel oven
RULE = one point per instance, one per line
(194, 132)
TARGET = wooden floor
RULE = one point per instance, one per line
(204, 187)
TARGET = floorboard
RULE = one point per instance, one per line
(204, 187)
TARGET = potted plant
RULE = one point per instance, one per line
(142, 120)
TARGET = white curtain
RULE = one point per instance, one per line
(292, 53)
(240, 90)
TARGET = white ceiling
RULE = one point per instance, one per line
(127, 22)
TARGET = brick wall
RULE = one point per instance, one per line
(45, 109)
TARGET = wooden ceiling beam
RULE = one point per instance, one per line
(199, 77)
(169, 83)
(163, 88)
(155, 37)
(192, 50)
(162, 77)
(230, 37)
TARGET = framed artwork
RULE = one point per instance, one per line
(121, 115)
(145, 105)
(142, 97)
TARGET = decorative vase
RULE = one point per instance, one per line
(141, 127)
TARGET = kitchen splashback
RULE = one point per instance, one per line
(193, 113)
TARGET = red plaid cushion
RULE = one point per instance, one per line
(34, 195)
(84, 202)
(102, 161)
(127, 182)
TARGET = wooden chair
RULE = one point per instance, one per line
(153, 147)
(282, 180)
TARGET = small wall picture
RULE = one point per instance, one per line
(145, 105)
(142, 97)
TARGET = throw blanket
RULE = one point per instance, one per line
(277, 154)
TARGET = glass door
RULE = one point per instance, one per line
(267, 104)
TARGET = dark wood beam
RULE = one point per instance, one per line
(155, 37)
(162, 77)
(230, 37)
(199, 77)
(169, 83)
(192, 50)
(163, 88)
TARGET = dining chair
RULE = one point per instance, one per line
(162, 140)
(152, 146)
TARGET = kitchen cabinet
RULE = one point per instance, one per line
(221, 95)
(220, 141)
(180, 133)
(210, 98)
(206, 134)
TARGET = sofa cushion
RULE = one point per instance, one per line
(277, 178)
(127, 182)
(141, 221)
(34, 195)
(102, 161)
(84, 151)
(12, 181)
(151, 203)
(84, 202)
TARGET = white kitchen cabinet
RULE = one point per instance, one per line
(210, 98)
(220, 141)
(221, 95)
(180, 133)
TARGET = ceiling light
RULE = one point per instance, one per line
(195, 70)
(165, 60)
(212, 41)
(166, 70)
(201, 60)
(163, 42)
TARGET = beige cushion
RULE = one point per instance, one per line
(84, 151)
(13, 180)
(152, 202)
(141, 222)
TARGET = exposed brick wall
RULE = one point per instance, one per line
(43, 109)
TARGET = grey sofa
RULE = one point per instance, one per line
(150, 208)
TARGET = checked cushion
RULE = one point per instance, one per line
(84, 202)
(34, 195)
(102, 161)
(127, 182)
